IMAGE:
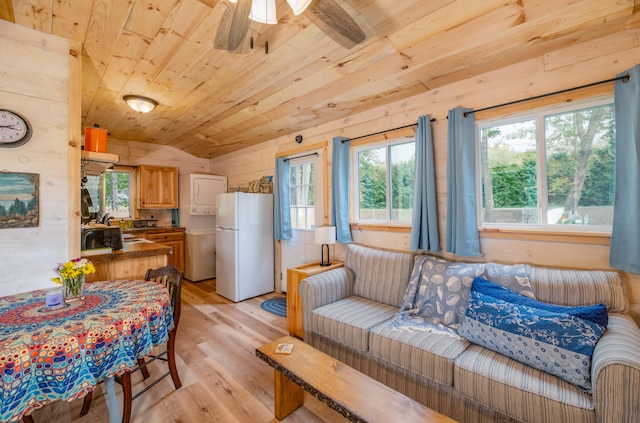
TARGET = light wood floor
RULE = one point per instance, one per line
(222, 379)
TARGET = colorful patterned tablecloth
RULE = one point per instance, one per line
(49, 355)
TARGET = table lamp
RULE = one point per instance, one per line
(324, 235)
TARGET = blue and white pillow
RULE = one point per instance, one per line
(439, 289)
(555, 339)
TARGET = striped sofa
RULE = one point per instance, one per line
(346, 315)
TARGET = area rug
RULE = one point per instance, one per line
(276, 306)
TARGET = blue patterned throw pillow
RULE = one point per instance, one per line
(555, 339)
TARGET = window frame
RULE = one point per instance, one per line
(537, 114)
(355, 172)
(318, 196)
(102, 189)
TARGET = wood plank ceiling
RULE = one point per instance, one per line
(212, 102)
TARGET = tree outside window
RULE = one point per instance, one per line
(302, 195)
(385, 181)
(111, 192)
(550, 169)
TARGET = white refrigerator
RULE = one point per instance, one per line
(244, 245)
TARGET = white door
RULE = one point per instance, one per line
(307, 185)
(227, 263)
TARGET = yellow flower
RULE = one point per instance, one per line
(72, 269)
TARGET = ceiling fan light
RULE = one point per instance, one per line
(298, 6)
(233, 1)
(263, 11)
(139, 103)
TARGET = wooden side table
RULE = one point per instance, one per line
(294, 302)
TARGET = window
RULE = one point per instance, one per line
(383, 176)
(554, 168)
(112, 192)
(302, 197)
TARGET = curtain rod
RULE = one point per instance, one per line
(299, 157)
(385, 131)
(624, 78)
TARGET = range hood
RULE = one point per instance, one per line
(94, 163)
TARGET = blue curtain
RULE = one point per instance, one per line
(424, 224)
(282, 201)
(625, 254)
(340, 189)
(462, 220)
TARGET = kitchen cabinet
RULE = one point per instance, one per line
(158, 187)
(172, 239)
(294, 302)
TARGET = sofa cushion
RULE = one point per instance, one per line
(348, 321)
(578, 287)
(518, 390)
(428, 354)
(555, 339)
(380, 275)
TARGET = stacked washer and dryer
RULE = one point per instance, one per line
(198, 207)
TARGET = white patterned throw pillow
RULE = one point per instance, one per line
(440, 289)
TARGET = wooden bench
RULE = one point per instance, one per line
(355, 395)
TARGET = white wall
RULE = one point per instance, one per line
(34, 77)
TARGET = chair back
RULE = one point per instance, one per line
(171, 278)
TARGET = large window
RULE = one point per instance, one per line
(112, 192)
(302, 197)
(554, 168)
(383, 176)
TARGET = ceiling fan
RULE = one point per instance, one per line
(336, 21)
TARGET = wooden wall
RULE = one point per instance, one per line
(578, 65)
(35, 83)
(133, 153)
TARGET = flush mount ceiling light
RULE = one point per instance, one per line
(139, 103)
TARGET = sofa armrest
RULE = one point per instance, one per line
(321, 289)
(615, 371)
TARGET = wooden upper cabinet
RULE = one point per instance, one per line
(158, 187)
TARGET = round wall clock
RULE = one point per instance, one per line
(15, 130)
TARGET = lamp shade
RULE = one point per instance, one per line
(263, 11)
(324, 235)
(298, 6)
(139, 103)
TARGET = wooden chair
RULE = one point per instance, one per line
(170, 277)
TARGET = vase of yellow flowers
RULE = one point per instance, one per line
(72, 275)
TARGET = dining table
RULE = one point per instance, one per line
(52, 354)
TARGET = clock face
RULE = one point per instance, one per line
(14, 129)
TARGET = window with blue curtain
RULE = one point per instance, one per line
(340, 174)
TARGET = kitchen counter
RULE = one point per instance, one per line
(129, 250)
(130, 263)
(168, 235)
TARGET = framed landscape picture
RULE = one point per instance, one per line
(19, 200)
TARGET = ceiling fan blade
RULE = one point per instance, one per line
(239, 24)
(337, 23)
(233, 27)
